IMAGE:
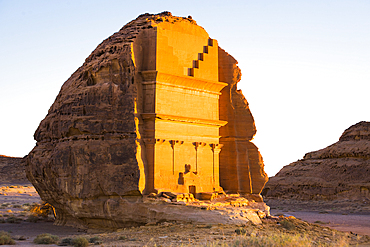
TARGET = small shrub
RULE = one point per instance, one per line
(46, 238)
(33, 218)
(26, 207)
(287, 225)
(66, 242)
(94, 239)
(6, 239)
(319, 222)
(286, 240)
(122, 238)
(240, 231)
(13, 219)
(80, 242)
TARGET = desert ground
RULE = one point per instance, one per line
(343, 215)
(323, 229)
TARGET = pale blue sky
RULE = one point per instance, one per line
(305, 64)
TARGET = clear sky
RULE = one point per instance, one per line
(305, 64)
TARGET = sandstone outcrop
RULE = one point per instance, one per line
(149, 111)
(241, 166)
(339, 171)
(12, 170)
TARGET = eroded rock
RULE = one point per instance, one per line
(339, 171)
(12, 170)
(143, 115)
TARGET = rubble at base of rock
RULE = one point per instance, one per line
(149, 210)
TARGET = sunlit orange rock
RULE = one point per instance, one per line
(154, 108)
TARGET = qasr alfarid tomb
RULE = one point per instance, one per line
(154, 108)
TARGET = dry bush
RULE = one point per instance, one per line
(95, 240)
(46, 238)
(80, 242)
(33, 218)
(6, 239)
(287, 224)
(286, 240)
(281, 239)
(65, 242)
(13, 219)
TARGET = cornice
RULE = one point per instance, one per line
(156, 116)
(156, 77)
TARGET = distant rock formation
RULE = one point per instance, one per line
(149, 111)
(339, 171)
(12, 170)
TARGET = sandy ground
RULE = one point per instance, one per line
(359, 224)
(16, 200)
(343, 215)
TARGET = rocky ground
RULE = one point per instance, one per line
(346, 215)
(18, 199)
(16, 202)
(345, 207)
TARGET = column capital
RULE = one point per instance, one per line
(199, 144)
(216, 148)
(149, 141)
(173, 142)
(160, 141)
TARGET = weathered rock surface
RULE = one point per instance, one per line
(113, 132)
(339, 171)
(12, 170)
(242, 166)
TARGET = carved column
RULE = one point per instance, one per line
(216, 149)
(196, 145)
(149, 168)
(173, 142)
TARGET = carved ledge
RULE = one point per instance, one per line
(152, 116)
(151, 76)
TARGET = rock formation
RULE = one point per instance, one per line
(12, 170)
(339, 171)
(241, 164)
(149, 111)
